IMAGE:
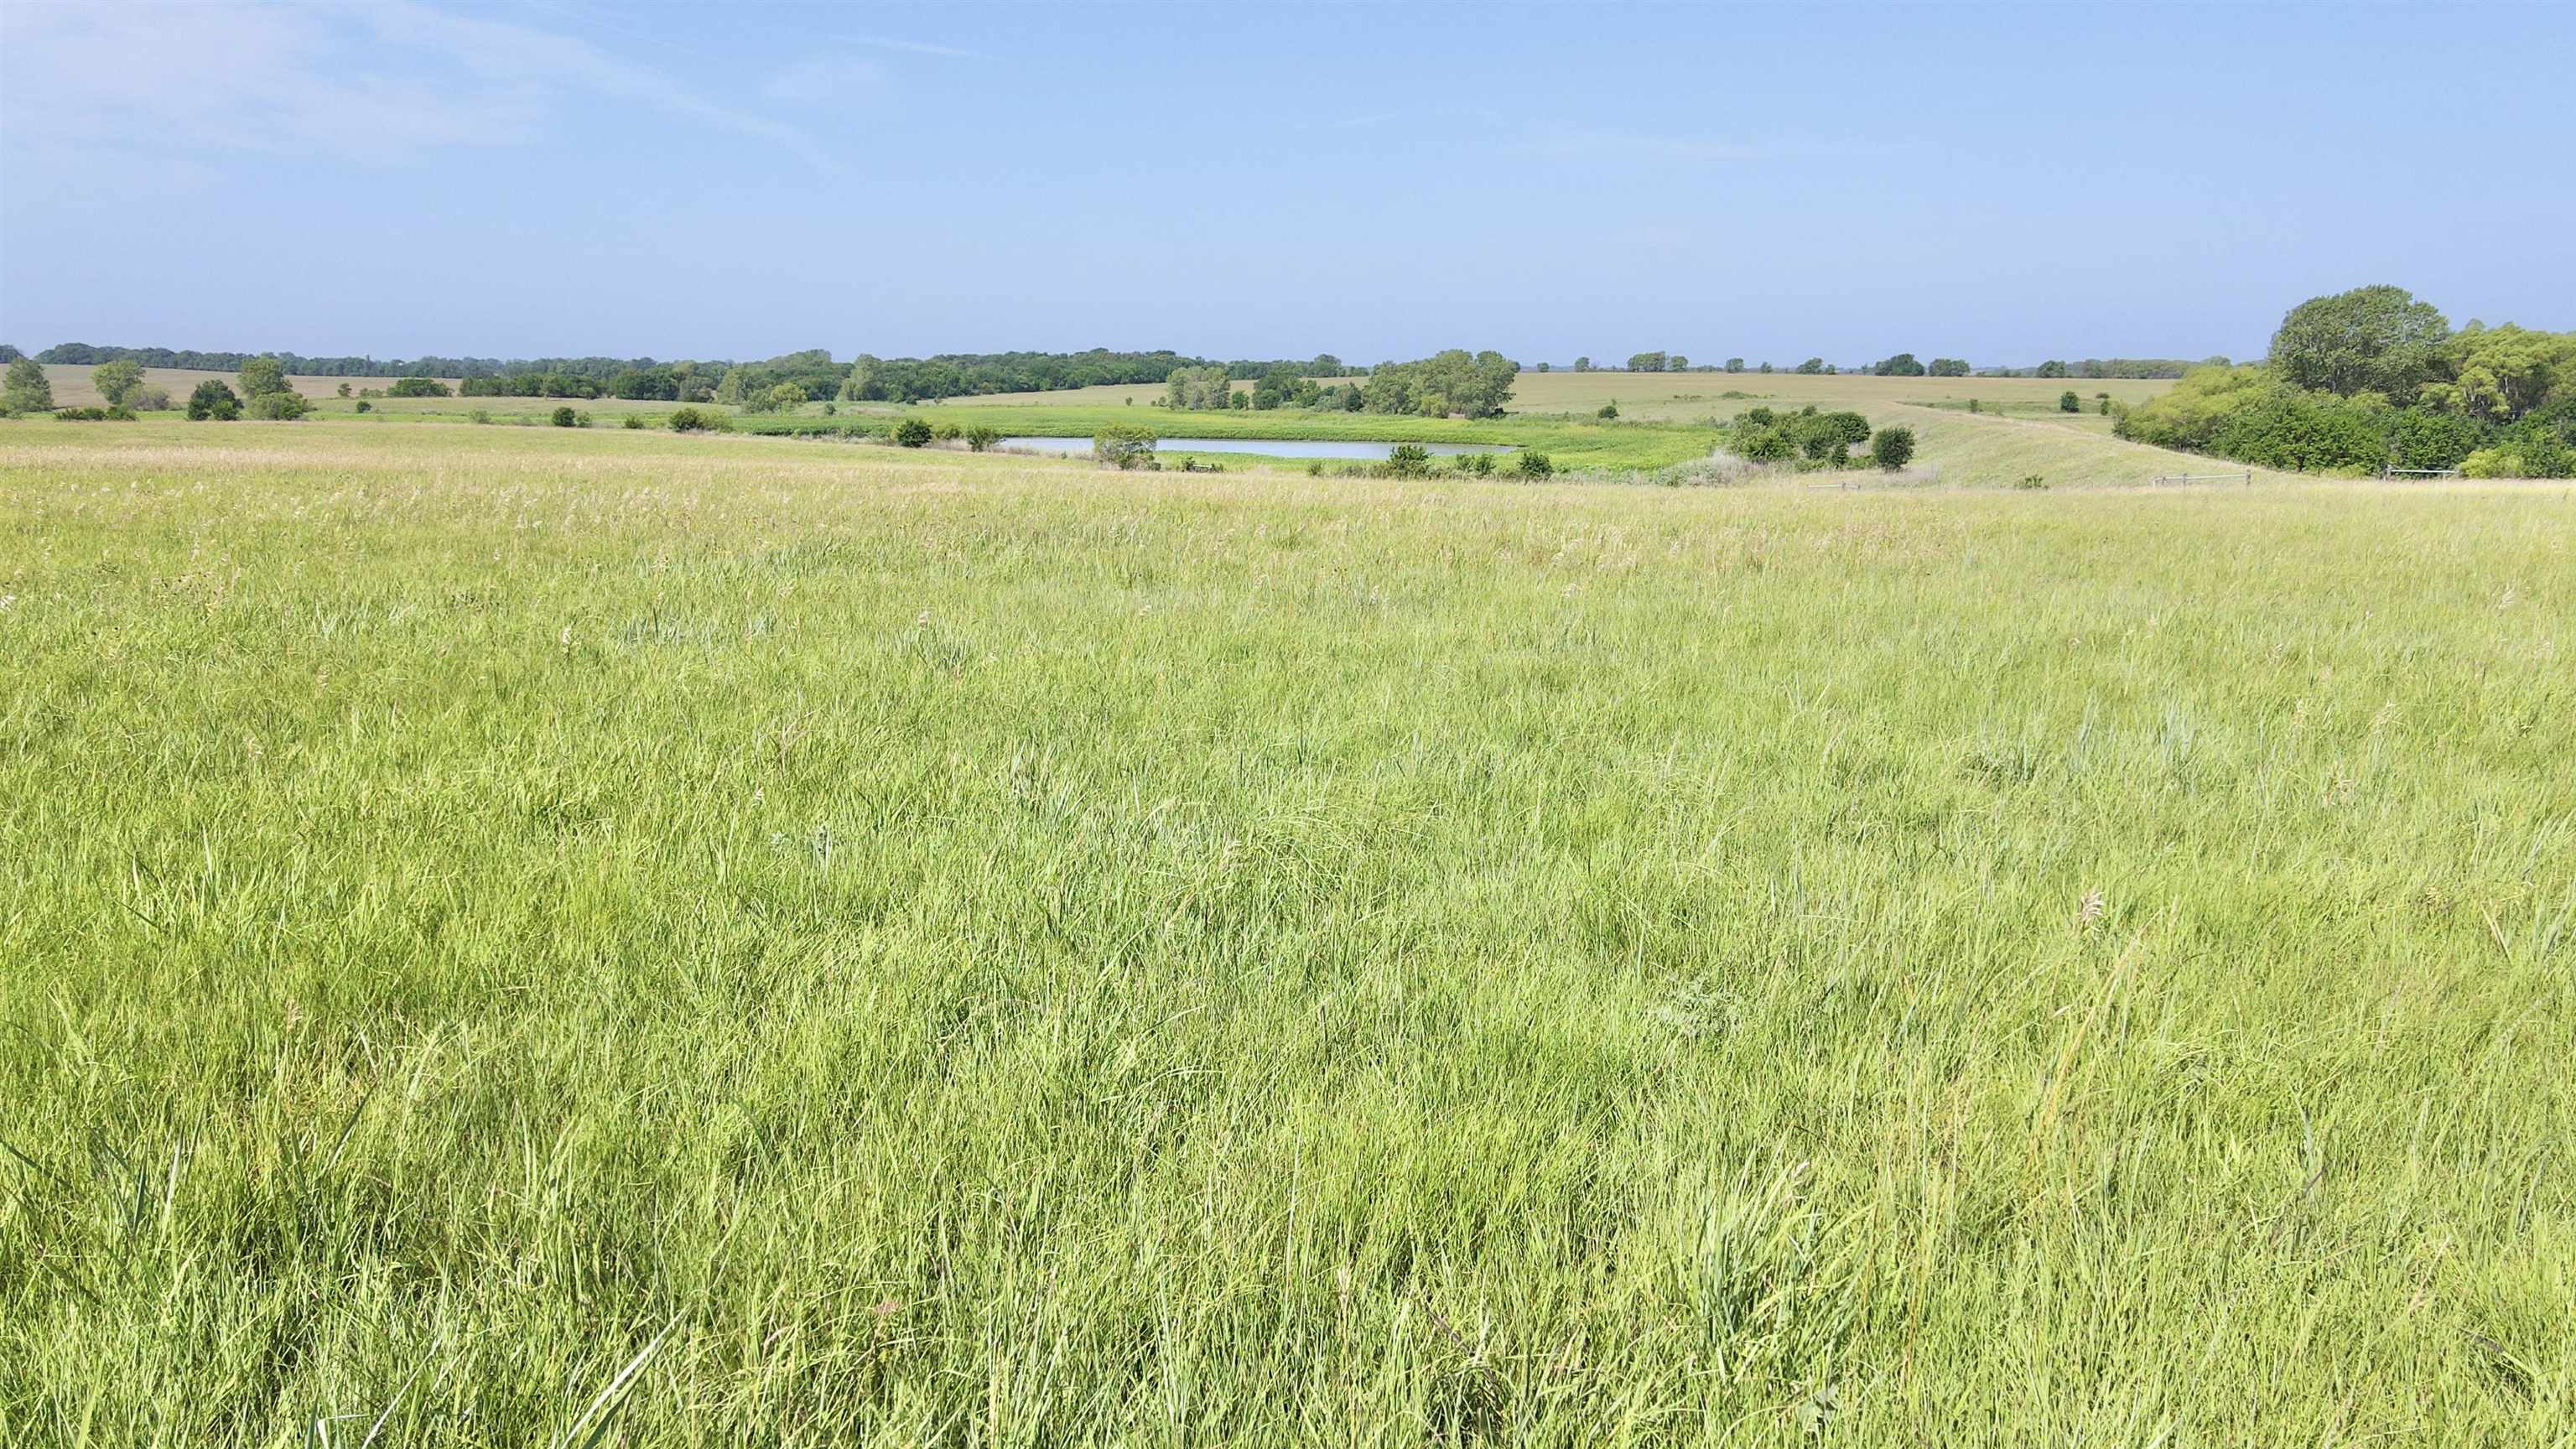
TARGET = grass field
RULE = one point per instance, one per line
(527, 936)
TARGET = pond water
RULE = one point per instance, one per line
(1267, 447)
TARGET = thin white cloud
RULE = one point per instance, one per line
(1671, 148)
(824, 80)
(917, 47)
(279, 78)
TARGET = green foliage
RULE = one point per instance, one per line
(1811, 367)
(1766, 367)
(632, 422)
(95, 415)
(1736, 364)
(417, 387)
(1608, 411)
(1534, 464)
(1451, 383)
(213, 401)
(1892, 448)
(25, 388)
(1949, 367)
(284, 405)
(261, 376)
(1649, 362)
(1408, 460)
(981, 437)
(2370, 339)
(697, 420)
(912, 433)
(1198, 389)
(1474, 465)
(2051, 368)
(2068, 402)
(118, 381)
(2427, 439)
(1975, 406)
(365, 406)
(1901, 365)
(1829, 437)
(1123, 445)
(149, 399)
(563, 417)
(2501, 373)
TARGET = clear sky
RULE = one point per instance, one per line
(2001, 183)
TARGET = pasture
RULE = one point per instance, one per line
(518, 935)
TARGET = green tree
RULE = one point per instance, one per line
(2502, 372)
(2370, 339)
(1901, 365)
(1408, 460)
(1892, 448)
(1949, 367)
(1812, 366)
(119, 381)
(25, 388)
(981, 438)
(2068, 402)
(213, 401)
(1647, 362)
(1534, 465)
(1766, 367)
(912, 433)
(2050, 368)
(1609, 410)
(1736, 364)
(284, 406)
(563, 418)
(1583, 364)
(262, 375)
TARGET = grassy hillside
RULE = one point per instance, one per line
(513, 931)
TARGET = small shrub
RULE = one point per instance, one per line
(1124, 445)
(981, 437)
(1893, 448)
(1315, 468)
(365, 406)
(81, 415)
(634, 422)
(417, 387)
(948, 432)
(151, 400)
(693, 420)
(2102, 404)
(912, 433)
(1535, 465)
(1408, 460)
(563, 418)
(479, 415)
(213, 401)
(1609, 411)
(1476, 465)
(2032, 480)
(344, 389)
(1973, 406)
(2068, 402)
(278, 407)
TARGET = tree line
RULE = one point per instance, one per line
(1449, 383)
(2375, 379)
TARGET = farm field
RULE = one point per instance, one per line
(513, 932)
(73, 389)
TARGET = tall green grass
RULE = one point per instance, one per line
(518, 937)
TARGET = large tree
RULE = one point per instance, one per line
(261, 375)
(26, 390)
(117, 381)
(2370, 339)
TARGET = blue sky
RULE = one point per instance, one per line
(2002, 183)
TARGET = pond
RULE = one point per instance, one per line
(1267, 447)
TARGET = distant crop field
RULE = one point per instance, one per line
(513, 932)
(72, 387)
(1692, 395)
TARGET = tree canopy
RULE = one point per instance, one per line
(2370, 339)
